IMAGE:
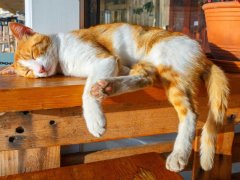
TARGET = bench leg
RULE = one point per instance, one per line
(29, 160)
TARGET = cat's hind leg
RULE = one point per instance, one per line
(92, 109)
(141, 75)
(181, 98)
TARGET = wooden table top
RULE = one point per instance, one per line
(145, 166)
(23, 94)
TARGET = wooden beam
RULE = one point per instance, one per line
(61, 92)
(20, 94)
(66, 126)
(123, 152)
(79, 158)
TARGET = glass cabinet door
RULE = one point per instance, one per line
(176, 15)
(142, 12)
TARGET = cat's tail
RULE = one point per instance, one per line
(217, 88)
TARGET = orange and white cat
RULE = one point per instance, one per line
(120, 58)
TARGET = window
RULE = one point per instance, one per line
(10, 11)
(176, 15)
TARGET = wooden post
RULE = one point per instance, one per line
(29, 160)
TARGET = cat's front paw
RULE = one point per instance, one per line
(97, 127)
(101, 89)
(96, 131)
(176, 161)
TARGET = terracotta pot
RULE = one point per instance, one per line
(223, 29)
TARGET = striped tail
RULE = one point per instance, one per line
(218, 91)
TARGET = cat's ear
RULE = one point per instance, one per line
(19, 30)
(7, 70)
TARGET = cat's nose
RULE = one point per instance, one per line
(42, 69)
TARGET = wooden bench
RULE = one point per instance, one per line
(44, 114)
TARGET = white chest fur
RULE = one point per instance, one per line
(75, 56)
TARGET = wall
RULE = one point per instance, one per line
(52, 16)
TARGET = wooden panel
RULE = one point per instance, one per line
(79, 158)
(123, 152)
(29, 160)
(21, 94)
(66, 126)
(145, 166)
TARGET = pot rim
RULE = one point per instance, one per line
(226, 4)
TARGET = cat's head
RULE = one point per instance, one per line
(35, 55)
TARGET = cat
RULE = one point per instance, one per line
(120, 58)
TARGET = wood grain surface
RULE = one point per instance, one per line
(44, 128)
(23, 94)
(29, 160)
(42, 113)
(221, 170)
(146, 166)
(79, 158)
(66, 126)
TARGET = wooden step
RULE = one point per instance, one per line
(145, 166)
